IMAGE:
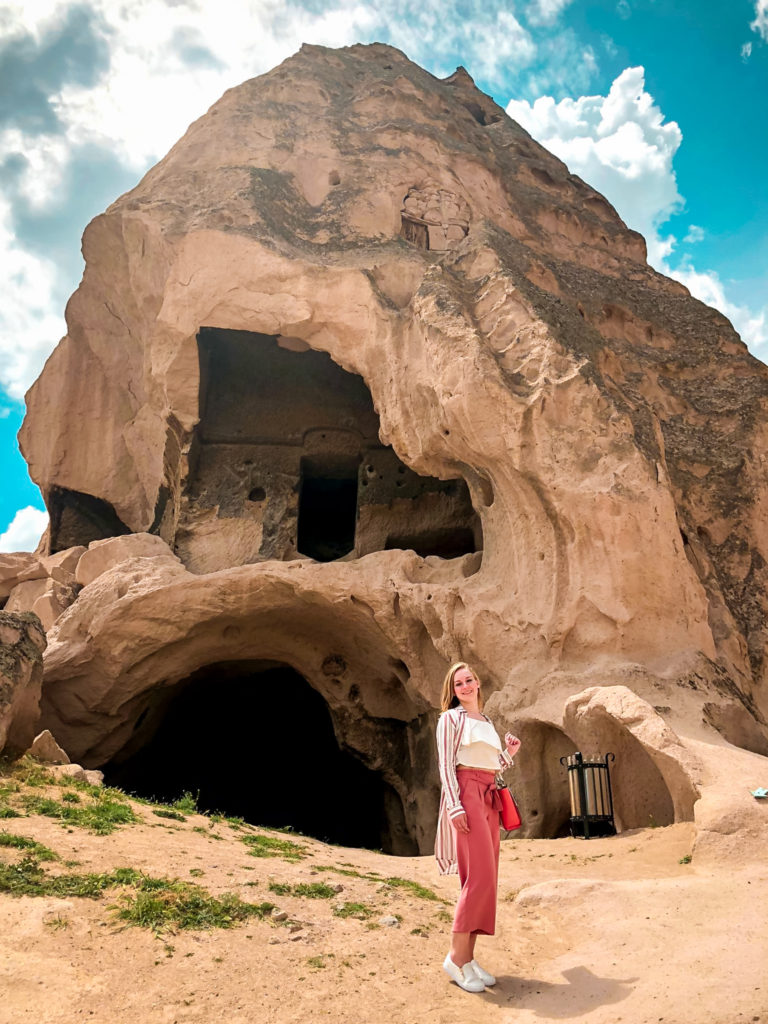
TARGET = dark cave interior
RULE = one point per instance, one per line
(255, 740)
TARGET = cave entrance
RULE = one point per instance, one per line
(327, 507)
(255, 740)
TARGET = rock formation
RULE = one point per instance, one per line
(361, 380)
(22, 642)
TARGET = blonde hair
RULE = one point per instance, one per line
(448, 698)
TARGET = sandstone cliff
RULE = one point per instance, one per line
(396, 388)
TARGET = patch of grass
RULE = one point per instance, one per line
(271, 846)
(23, 843)
(196, 872)
(89, 789)
(350, 873)
(9, 812)
(186, 803)
(206, 832)
(444, 915)
(29, 772)
(102, 816)
(312, 890)
(359, 910)
(70, 798)
(317, 962)
(162, 812)
(686, 859)
(424, 932)
(414, 888)
(156, 903)
(57, 923)
(186, 905)
(27, 878)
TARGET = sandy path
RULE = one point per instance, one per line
(601, 932)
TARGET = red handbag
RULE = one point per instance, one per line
(510, 815)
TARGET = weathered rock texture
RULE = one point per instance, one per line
(394, 388)
(46, 749)
(22, 642)
(39, 584)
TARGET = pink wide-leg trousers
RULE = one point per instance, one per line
(478, 853)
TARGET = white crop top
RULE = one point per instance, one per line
(480, 746)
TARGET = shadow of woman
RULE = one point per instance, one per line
(583, 991)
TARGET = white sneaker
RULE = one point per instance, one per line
(464, 977)
(484, 976)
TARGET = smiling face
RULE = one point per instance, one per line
(466, 687)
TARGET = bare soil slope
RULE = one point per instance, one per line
(622, 929)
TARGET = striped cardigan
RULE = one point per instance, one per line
(450, 728)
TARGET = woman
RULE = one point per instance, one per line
(469, 756)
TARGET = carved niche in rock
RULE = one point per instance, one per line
(286, 462)
(434, 218)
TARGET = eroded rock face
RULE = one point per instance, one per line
(22, 642)
(398, 389)
(44, 585)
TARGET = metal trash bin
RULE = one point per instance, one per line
(591, 796)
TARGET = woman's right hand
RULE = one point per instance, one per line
(460, 823)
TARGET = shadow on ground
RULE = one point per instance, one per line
(581, 993)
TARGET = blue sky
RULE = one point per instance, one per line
(658, 104)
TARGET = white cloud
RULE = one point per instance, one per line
(695, 234)
(563, 64)
(25, 530)
(150, 69)
(622, 145)
(746, 52)
(29, 329)
(707, 286)
(619, 143)
(44, 159)
(545, 12)
(760, 24)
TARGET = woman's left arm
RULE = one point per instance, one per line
(512, 747)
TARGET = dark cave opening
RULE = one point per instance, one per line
(77, 518)
(327, 507)
(445, 542)
(255, 740)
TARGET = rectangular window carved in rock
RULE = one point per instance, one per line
(415, 233)
(327, 507)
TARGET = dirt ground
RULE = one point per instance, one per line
(625, 929)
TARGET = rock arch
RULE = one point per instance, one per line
(181, 624)
(655, 779)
